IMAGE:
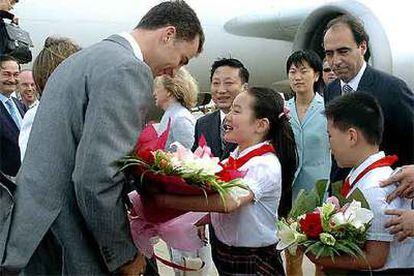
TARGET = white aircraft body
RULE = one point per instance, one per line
(261, 33)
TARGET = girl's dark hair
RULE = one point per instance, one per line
(269, 104)
(297, 58)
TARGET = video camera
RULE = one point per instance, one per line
(17, 42)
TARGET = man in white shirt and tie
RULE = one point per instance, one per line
(11, 114)
(346, 46)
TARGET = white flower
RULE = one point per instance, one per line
(327, 239)
(327, 209)
(354, 215)
(191, 163)
(358, 216)
(288, 236)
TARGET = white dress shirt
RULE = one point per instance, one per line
(254, 224)
(26, 129)
(355, 81)
(401, 253)
(134, 44)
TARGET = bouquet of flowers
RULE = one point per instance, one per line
(182, 172)
(334, 227)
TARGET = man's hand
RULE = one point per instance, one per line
(134, 267)
(404, 179)
(402, 224)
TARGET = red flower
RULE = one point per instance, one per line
(311, 225)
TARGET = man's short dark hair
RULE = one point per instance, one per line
(359, 110)
(231, 62)
(175, 13)
(357, 28)
(5, 58)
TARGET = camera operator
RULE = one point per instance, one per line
(5, 7)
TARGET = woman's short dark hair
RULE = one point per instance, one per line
(297, 58)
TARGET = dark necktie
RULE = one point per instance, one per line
(346, 89)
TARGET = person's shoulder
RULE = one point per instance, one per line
(207, 118)
(372, 180)
(268, 161)
(385, 78)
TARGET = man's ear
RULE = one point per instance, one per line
(353, 136)
(168, 34)
(363, 47)
(245, 86)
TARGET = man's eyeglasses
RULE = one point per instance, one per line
(327, 70)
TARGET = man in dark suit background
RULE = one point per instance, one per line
(228, 78)
(11, 114)
(346, 43)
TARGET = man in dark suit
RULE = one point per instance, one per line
(346, 43)
(11, 114)
(228, 78)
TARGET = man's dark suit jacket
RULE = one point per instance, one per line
(397, 102)
(9, 136)
(209, 126)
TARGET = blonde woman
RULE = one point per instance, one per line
(176, 96)
(53, 53)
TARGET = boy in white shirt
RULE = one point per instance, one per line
(355, 126)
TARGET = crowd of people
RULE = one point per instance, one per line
(66, 121)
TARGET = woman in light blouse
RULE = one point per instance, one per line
(304, 69)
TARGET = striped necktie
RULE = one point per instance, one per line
(14, 113)
(346, 89)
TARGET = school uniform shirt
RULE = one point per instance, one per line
(401, 253)
(254, 224)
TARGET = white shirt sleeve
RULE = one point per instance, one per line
(376, 196)
(263, 177)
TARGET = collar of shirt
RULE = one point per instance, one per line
(3, 99)
(173, 108)
(236, 154)
(134, 44)
(355, 81)
(371, 159)
(222, 116)
(34, 104)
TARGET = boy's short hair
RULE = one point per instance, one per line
(359, 110)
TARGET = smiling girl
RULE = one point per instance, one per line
(244, 224)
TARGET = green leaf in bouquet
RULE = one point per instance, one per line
(321, 186)
(359, 196)
(336, 191)
(305, 202)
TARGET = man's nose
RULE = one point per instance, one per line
(221, 88)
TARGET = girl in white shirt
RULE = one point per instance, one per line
(245, 240)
